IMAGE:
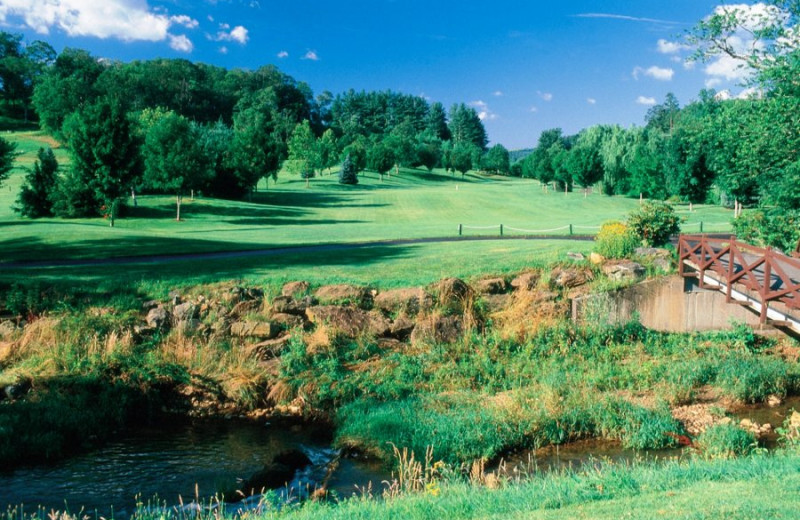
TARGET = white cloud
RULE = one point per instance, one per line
(546, 96)
(591, 101)
(647, 101)
(668, 47)
(125, 20)
(713, 82)
(311, 55)
(534, 109)
(238, 34)
(283, 54)
(223, 50)
(484, 113)
(498, 93)
(625, 17)
(181, 43)
(654, 72)
(186, 21)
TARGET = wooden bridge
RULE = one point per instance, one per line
(766, 281)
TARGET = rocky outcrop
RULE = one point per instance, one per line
(409, 301)
(343, 294)
(348, 320)
(438, 329)
(254, 329)
(289, 305)
(295, 289)
(623, 270)
(287, 321)
(570, 277)
(526, 281)
(491, 286)
(157, 318)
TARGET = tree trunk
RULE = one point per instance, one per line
(111, 213)
(178, 206)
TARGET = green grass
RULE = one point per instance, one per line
(414, 204)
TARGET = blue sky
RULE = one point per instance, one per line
(526, 66)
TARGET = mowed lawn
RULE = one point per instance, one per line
(414, 204)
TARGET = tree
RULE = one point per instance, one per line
(380, 158)
(497, 160)
(304, 157)
(357, 151)
(35, 198)
(326, 149)
(584, 162)
(402, 141)
(436, 122)
(462, 157)
(173, 158)
(466, 126)
(105, 155)
(348, 174)
(7, 155)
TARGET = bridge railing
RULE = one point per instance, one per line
(773, 276)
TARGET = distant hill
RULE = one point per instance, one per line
(518, 155)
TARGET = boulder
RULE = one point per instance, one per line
(438, 329)
(157, 318)
(491, 286)
(596, 258)
(344, 293)
(276, 474)
(245, 307)
(185, 311)
(402, 327)
(288, 305)
(18, 389)
(287, 321)
(569, 277)
(293, 289)
(391, 344)
(453, 294)
(254, 329)
(150, 304)
(189, 326)
(659, 257)
(526, 281)
(235, 295)
(348, 320)
(270, 349)
(578, 257)
(623, 270)
(408, 301)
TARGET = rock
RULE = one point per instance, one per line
(293, 289)
(150, 304)
(453, 294)
(794, 420)
(287, 305)
(438, 329)
(623, 270)
(270, 349)
(276, 474)
(652, 252)
(185, 311)
(239, 294)
(526, 281)
(408, 301)
(496, 302)
(157, 318)
(491, 286)
(349, 321)
(7, 329)
(576, 256)
(774, 400)
(254, 329)
(144, 331)
(402, 327)
(189, 326)
(18, 389)
(288, 321)
(344, 293)
(596, 258)
(244, 308)
(392, 344)
(570, 277)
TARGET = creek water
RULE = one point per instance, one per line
(177, 461)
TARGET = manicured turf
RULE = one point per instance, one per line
(414, 204)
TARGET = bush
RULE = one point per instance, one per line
(726, 441)
(615, 240)
(348, 173)
(654, 223)
(775, 228)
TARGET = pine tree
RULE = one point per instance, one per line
(35, 199)
(348, 173)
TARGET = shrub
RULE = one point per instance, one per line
(776, 228)
(726, 440)
(615, 240)
(349, 172)
(654, 222)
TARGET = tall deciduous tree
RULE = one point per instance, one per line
(304, 158)
(466, 126)
(497, 160)
(7, 154)
(173, 157)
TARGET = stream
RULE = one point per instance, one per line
(177, 462)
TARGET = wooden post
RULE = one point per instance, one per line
(460, 229)
(765, 288)
(570, 230)
(701, 226)
(501, 229)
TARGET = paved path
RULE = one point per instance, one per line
(249, 253)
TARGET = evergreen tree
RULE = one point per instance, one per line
(35, 199)
(348, 174)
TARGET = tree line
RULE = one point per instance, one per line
(173, 126)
